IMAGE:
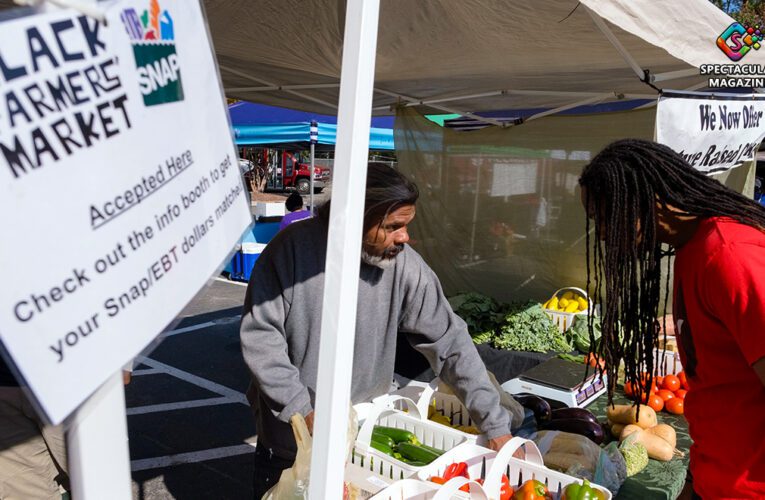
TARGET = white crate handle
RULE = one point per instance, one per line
(450, 488)
(494, 478)
(381, 406)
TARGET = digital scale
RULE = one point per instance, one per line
(559, 380)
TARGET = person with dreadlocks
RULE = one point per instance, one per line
(399, 300)
(643, 197)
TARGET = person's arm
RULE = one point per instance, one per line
(442, 337)
(264, 339)
(735, 293)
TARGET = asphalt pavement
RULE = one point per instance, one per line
(190, 428)
(191, 431)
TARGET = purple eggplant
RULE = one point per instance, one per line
(588, 429)
(579, 413)
(539, 406)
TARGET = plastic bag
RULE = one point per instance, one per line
(577, 456)
(293, 483)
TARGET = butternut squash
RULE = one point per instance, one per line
(666, 432)
(628, 415)
(657, 447)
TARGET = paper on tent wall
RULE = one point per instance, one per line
(119, 187)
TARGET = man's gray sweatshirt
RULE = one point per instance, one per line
(281, 325)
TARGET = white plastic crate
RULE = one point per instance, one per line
(498, 463)
(381, 412)
(412, 489)
(564, 320)
(448, 404)
(667, 362)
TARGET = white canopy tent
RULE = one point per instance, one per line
(472, 55)
(439, 55)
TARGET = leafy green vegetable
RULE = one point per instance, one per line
(578, 334)
(528, 328)
(479, 312)
(573, 358)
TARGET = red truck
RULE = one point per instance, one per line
(285, 170)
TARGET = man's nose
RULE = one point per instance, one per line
(402, 236)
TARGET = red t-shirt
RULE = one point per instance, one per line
(719, 312)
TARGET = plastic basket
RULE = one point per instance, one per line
(448, 404)
(412, 489)
(498, 463)
(564, 320)
(382, 412)
(667, 362)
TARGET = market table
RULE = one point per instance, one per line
(659, 480)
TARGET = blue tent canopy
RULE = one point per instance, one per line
(260, 125)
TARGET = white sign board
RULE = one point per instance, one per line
(712, 133)
(120, 193)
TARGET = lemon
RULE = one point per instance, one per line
(554, 304)
(563, 303)
(568, 295)
(572, 306)
(582, 304)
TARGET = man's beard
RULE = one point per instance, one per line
(384, 261)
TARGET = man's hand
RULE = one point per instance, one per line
(498, 442)
(309, 422)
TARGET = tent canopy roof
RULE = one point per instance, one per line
(528, 54)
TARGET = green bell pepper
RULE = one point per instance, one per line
(584, 491)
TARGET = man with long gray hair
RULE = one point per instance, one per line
(398, 294)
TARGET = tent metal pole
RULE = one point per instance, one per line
(267, 88)
(443, 108)
(603, 27)
(341, 276)
(236, 72)
(591, 100)
(674, 75)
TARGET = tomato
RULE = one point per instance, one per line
(628, 389)
(683, 380)
(676, 406)
(680, 393)
(665, 395)
(656, 403)
(671, 383)
(658, 380)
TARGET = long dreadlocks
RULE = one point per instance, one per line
(622, 187)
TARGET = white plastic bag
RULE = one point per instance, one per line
(293, 483)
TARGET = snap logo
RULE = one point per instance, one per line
(153, 39)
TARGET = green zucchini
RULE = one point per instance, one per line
(416, 453)
(434, 450)
(397, 435)
(383, 439)
(382, 447)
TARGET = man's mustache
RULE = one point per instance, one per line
(393, 250)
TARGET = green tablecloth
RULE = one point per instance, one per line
(659, 480)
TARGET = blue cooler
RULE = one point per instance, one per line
(249, 254)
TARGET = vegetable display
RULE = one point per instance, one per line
(439, 417)
(460, 469)
(519, 326)
(578, 335)
(666, 393)
(402, 445)
(527, 327)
